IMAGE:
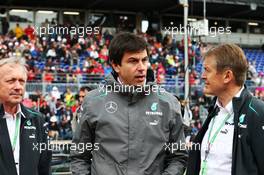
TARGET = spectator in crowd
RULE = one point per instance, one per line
(68, 97)
(29, 32)
(260, 80)
(77, 115)
(45, 109)
(60, 108)
(18, 31)
(259, 93)
(65, 126)
(53, 128)
(49, 78)
(55, 93)
(5, 26)
(52, 104)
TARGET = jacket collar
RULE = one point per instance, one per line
(212, 106)
(237, 102)
(24, 111)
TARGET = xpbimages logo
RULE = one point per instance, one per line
(117, 88)
(213, 31)
(63, 30)
(79, 147)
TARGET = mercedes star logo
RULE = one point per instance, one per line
(111, 107)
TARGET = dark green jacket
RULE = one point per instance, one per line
(248, 140)
(32, 134)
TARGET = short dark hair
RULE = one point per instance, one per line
(230, 56)
(125, 42)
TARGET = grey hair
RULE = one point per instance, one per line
(14, 60)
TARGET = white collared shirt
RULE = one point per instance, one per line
(11, 125)
(118, 79)
(219, 160)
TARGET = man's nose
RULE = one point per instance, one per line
(141, 66)
(203, 75)
(18, 85)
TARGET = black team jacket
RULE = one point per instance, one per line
(33, 134)
(248, 140)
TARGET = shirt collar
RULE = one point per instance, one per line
(119, 81)
(229, 106)
(18, 111)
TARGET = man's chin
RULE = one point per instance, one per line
(207, 92)
(16, 101)
(140, 83)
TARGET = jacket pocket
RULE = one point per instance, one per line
(156, 167)
(153, 170)
(102, 166)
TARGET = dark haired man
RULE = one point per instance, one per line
(133, 132)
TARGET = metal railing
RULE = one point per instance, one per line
(174, 87)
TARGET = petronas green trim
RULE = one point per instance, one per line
(101, 95)
(161, 96)
(251, 107)
(33, 112)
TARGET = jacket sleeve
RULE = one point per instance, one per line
(256, 131)
(80, 156)
(45, 155)
(176, 154)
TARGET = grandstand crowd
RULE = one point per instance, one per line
(71, 59)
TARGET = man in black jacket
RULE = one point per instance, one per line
(232, 138)
(23, 138)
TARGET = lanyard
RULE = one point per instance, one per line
(210, 142)
(16, 132)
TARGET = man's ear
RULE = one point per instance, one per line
(228, 76)
(116, 67)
